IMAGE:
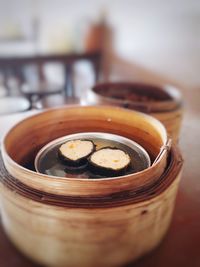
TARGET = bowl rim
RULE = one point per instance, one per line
(87, 135)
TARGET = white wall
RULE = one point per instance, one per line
(163, 36)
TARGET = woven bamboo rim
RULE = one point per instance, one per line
(26, 138)
(131, 196)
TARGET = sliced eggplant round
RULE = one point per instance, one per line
(76, 152)
(109, 161)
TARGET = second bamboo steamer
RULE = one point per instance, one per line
(164, 103)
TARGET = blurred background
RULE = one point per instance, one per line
(54, 47)
(53, 52)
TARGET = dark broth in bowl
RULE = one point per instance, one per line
(51, 164)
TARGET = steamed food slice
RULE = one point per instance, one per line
(109, 161)
(76, 152)
(110, 158)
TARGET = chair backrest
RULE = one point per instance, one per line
(14, 66)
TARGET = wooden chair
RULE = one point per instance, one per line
(14, 66)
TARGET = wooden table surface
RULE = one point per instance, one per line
(181, 246)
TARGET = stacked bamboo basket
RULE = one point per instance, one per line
(165, 104)
(87, 222)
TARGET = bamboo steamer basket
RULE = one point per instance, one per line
(23, 141)
(74, 222)
(168, 107)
